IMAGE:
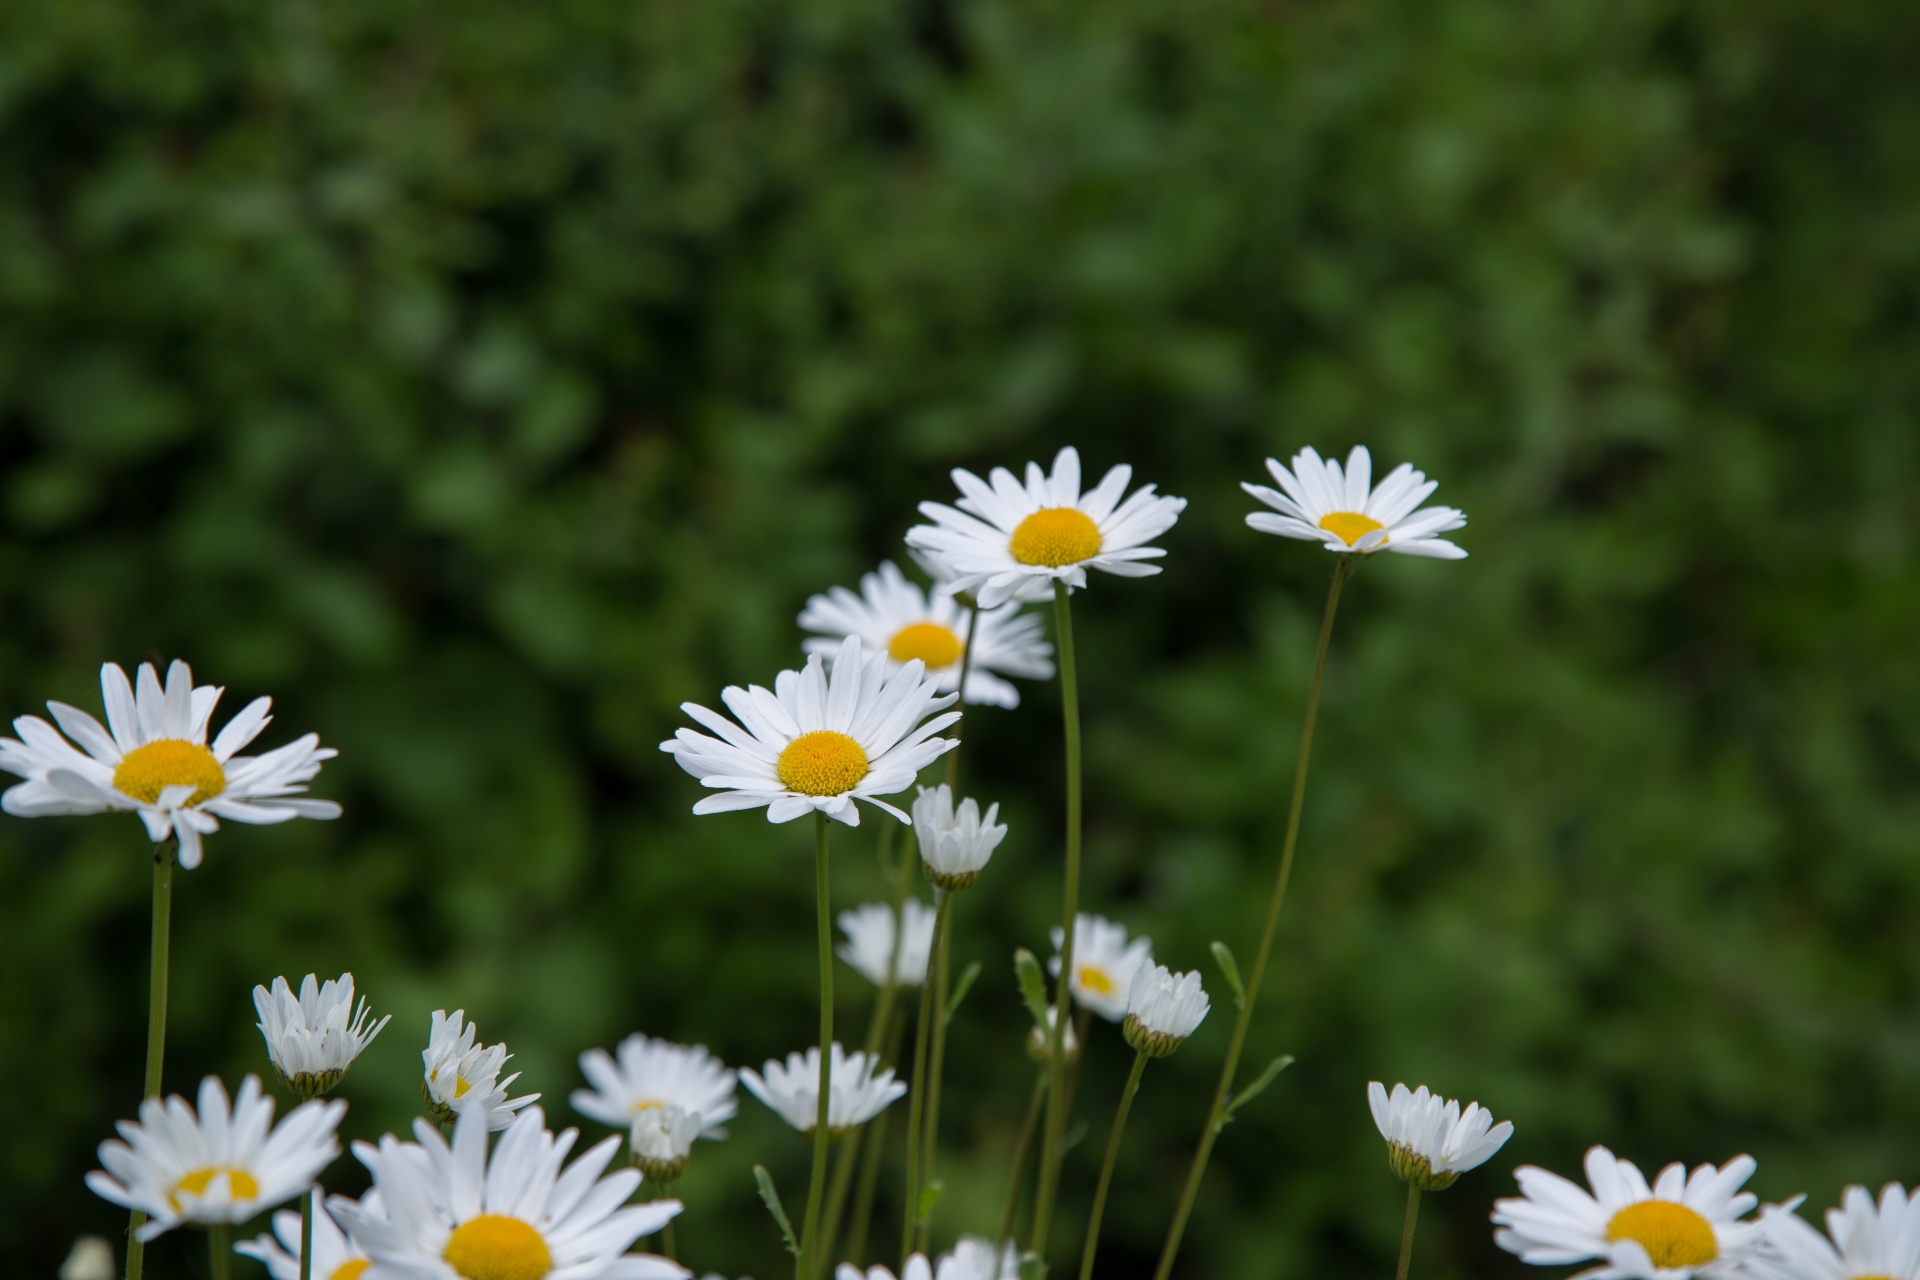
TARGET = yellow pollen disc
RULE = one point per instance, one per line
(1055, 536)
(495, 1247)
(240, 1184)
(1095, 979)
(145, 772)
(1349, 526)
(1672, 1234)
(930, 642)
(645, 1104)
(350, 1269)
(821, 763)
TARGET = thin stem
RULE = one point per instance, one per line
(1106, 1166)
(1056, 1121)
(966, 667)
(1021, 1146)
(1224, 1093)
(917, 1095)
(667, 1244)
(306, 1236)
(816, 1183)
(875, 1144)
(937, 1055)
(220, 1250)
(156, 1016)
(1406, 1232)
(851, 1152)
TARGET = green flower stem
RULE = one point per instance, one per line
(966, 666)
(667, 1245)
(156, 1017)
(1056, 1120)
(937, 1055)
(917, 1095)
(852, 1153)
(1106, 1166)
(1224, 1093)
(306, 1236)
(875, 1142)
(220, 1250)
(1406, 1232)
(816, 1183)
(1021, 1146)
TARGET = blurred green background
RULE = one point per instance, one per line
(482, 381)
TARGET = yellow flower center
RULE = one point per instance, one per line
(145, 772)
(1055, 536)
(1672, 1234)
(1349, 526)
(350, 1269)
(495, 1247)
(822, 763)
(645, 1104)
(240, 1184)
(933, 644)
(1095, 979)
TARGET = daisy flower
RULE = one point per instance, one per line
(860, 1089)
(955, 844)
(1103, 963)
(91, 1258)
(454, 1213)
(455, 1068)
(334, 1256)
(917, 1268)
(1344, 511)
(816, 742)
(976, 1258)
(869, 944)
(1869, 1242)
(1040, 1039)
(894, 616)
(314, 1037)
(651, 1075)
(1005, 541)
(1163, 1008)
(1678, 1228)
(1430, 1140)
(224, 1163)
(660, 1141)
(153, 759)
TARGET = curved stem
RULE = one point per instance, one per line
(917, 1109)
(1106, 1166)
(1406, 1231)
(875, 1143)
(937, 1054)
(823, 920)
(1223, 1094)
(966, 668)
(156, 1016)
(306, 1236)
(1021, 1146)
(220, 1250)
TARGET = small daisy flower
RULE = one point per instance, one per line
(224, 1163)
(1869, 1242)
(1678, 1228)
(869, 944)
(91, 1258)
(661, 1140)
(894, 616)
(1430, 1140)
(652, 1075)
(155, 761)
(860, 1089)
(334, 1256)
(955, 844)
(816, 742)
(976, 1258)
(1039, 1039)
(314, 1037)
(1103, 964)
(457, 1068)
(454, 1213)
(1004, 541)
(917, 1268)
(1344, 512)
(1163, 1008)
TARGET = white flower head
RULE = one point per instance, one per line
(91, 1258)
(457, 1068)
(454, 1212)
(334, 1256)
(661, 1140)
(870, 942)
(1163, 1008)
(1430, 1140)
(955, 843)
(1006, 541)
(976, 1258)
(859, 1090)
(312, 1038)
(819, 742)
(651, 1075)
(1869, 1241)
(1344, 511)
(1679, 1227)
(1039, 1039)
(894, 616)
(917, 1268)
(223, 1163)
(153, 759)
(1103, 964)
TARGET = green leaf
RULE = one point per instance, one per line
(1073, 1136)
(1252, 1091)
(1033, 987)
(929, 1197)
(770, 1197)
(1224, 958)
(961, 987)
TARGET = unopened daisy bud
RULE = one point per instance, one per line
(1430, 1140)
(1163, 1008)
(456, 1067)
(955, 843)
(314, 1037)
(661, 1140)
(860, 1089)
(90, 1259)
(1040, 1040)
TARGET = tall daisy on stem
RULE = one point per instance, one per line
(1320, 501)
(1430, 1143)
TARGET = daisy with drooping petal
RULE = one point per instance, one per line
(1430, 1140)
(894, 616)
(457, 1067)
(1869, 1241)
(314, 1037)
(334, 1256)
(153, 759)
(222, 1164)
(1104, 963)
(1342, 510)
(816, 742)
(870, 942)
(955, 843)
(860, 1089)
(650, 1075)
(1006, 541)
(1681, 1226)
(1163, 1008)
(451, 1212)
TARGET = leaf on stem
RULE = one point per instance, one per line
(1252, 1091)
(1228, 968)
(929, 1197)
(770, 1197)
(961, 986)
(1033, 987)
(1032, 1267)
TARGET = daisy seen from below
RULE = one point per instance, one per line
(1104, 963)
(312, 1038)
(819, 742)
(955, 842)
(1003, 540)
(870, 942)
(218, 1165)
(153, 758)
(453, 1212)
(1431, 1141)
(860, 1089)
(1680, 1226)
(1868, 1241)
(455, 1067)
(644, 1074)
(1163, 1009)
(661, 1140)
(334, 1256)
(1344, 511)
(892, 615)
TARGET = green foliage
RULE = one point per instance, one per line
(483, 381)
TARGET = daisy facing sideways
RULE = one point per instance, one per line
(1869, 1241)
(153, 758)
(455, 1070)
(870, 942)
(644, 1074)
(312, 1038)
(1430, 1140)
(860, 1089)
(1342, 510)
(1104, 963)
(334, 1256)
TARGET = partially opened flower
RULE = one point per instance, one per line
(1006, 541)
(334, 1256)
(894, 616)
(955, 843)
(1342, 510)
(314, 1037)
(1163, 1008)
(661, 1140)
(860, 1089)
(153, 759)
(1103, 964)
(870, 942)
(222, 1164)
(1430, 1140)
(814, 742)
(1869, 1241)
(651, 1075)
(456, 1068)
